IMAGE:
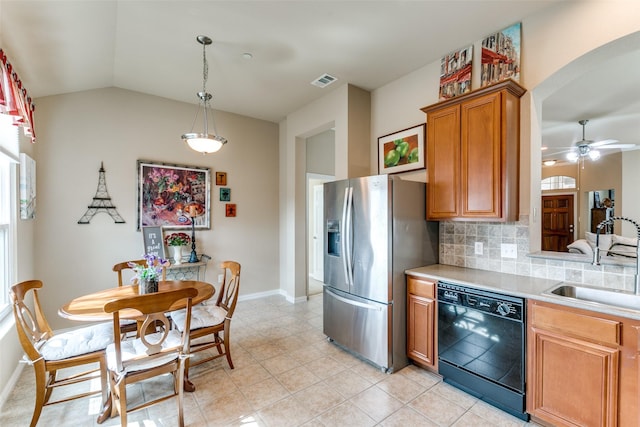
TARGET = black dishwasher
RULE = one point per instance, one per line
(481, 345)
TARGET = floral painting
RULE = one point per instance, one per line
(173, 196)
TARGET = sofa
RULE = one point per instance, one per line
(611, 245)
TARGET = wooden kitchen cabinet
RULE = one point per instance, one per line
(473, 155)
(421, 318)
(582, 367)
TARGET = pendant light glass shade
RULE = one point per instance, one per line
(204, 142)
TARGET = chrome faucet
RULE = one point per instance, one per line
(596, 250)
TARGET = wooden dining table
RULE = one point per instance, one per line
(90, 308)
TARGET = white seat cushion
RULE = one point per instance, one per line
(202, 316)
(70, 343)
(134, 348)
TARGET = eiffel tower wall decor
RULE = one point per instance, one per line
(101, 202)
(173, 196)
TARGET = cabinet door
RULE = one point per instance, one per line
(420, 339)
(481, 157)
(421, 336)
(443, 163)
(574, 382)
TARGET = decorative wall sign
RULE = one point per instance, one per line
(221, 178)
(153, 241)
(101, 201)
(401, 151)
(230, 209)
(225, 194)
(455, 73)
(170, 195)
(27, 187)
(501, 56)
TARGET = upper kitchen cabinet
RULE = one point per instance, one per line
(473, 155)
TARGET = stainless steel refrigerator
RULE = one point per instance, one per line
(375, 229)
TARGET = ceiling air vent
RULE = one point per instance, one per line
(324, 80)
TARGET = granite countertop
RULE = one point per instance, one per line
(515, 285)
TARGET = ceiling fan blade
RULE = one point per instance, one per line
(603, 142)
(616, 146)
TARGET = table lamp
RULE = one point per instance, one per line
(193, 212)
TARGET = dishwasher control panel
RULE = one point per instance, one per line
(489, 302)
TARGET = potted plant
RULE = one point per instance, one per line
(175, 242)
(148, 275)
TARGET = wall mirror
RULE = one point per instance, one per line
(608, 96)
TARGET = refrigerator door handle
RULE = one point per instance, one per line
(343, 240)
(348, 237)
(352, 302)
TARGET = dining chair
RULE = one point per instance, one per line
(50, 351)
(158, 350)
(130, 327)
(209, 320)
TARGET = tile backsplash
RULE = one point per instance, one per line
(457, 247)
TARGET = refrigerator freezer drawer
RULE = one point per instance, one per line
(360, 325)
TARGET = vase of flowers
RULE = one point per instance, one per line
(148, 275)
(175, 242)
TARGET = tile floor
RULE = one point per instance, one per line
(286, 374)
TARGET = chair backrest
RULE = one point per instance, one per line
(153, 308)
(230, 287)
(32, 326)
(119, 267)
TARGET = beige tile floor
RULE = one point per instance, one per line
(286, 374)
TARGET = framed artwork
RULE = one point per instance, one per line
(221, 178)
(455, 73)
(27, 187)
(230, 209)
(172, 196)
(401, 151)
(153, 241)
(225, 194)
(501, 56)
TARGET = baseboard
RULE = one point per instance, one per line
(8, 388)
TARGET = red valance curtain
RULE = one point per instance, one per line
(14, 100)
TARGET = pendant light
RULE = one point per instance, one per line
(204, 142)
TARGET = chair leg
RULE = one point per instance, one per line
(41, 392)
(180, 378)
(122, 402)
(51, 379)
(227, 350)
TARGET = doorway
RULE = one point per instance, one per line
(557, 222)
(315, 232)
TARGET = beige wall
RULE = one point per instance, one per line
(79, 131)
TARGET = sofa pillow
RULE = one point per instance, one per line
(605, 241)
(580, 247)
(624, 247)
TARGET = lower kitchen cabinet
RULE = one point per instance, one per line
(421, 317)
(582, 367)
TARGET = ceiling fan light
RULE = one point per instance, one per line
(549, 162)
(594, 154)
(572, 156)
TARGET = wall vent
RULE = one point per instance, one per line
(324, 80)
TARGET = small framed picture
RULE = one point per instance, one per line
(230, 209)
(401, 151)
(221, 178)
(225, 194)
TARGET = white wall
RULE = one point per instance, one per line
(79, 131)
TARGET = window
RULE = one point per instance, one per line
(8, 158)
(558, 182)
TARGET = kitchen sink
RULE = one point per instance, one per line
(613, 297)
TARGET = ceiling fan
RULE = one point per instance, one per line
(591, 149)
